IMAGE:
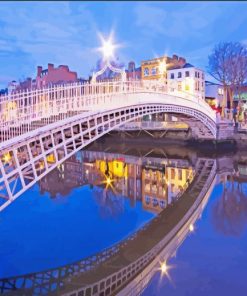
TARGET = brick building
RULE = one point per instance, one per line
(53, 75)
(150, 69)
(133, 73)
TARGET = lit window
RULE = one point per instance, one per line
(179, 86)
(220, 91)
(187, 74)
(180, 174)
(187, 87)
(146, 72)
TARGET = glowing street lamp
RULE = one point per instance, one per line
(108, 181)
(162, 71)
(164, 268)
(107, 50)
(6, 158)
(162, 68)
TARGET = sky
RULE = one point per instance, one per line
(38, 33)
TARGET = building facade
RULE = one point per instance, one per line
(53, 75)
(186, 79)
(214, 94)
(133, 73)
(155, 69)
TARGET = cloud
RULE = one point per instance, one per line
(49, 32)
(35, 33)
(179, 20)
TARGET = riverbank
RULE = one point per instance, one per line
(177, 140)
(183, 138)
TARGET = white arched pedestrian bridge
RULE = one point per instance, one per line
(42, 128)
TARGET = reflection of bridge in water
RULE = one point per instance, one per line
(40, 129)
(126, 267)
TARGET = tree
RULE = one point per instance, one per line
(228, 65)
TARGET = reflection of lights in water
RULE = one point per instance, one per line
(191, 228)
(108, 181)
(6, 158)
(164, 268)
(87, 172)
(41, 166)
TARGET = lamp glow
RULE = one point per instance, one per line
(107, 47)
(162, 67)
(191, 228)
(164, 268)
(108, 181)
(6, 158)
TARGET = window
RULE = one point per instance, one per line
(147, 199)
(172, 75)
(196, 74)
(187, 87)
(146, 72)
(179, 86)
(202, 75)
(179, 74)
(180, 174)
(172, 174)
(220, 91)
(153, 71)
(187, 74)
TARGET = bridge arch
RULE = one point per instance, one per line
(30, 157)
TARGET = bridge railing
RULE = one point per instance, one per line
(27, 110)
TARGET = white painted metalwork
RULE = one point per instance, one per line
(42, 128)
(25, 111)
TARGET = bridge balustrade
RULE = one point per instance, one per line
(24, 111)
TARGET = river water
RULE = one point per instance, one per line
(107, 192)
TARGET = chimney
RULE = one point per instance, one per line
(39, 70)
(175, 57)
(50, 67)
(182, 61)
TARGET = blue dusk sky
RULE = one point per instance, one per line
(37, 33)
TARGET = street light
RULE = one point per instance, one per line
(162, 70)
(107, 50)
(191, 228)
(162, 67)
(164, 268)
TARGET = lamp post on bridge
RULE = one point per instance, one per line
(107, 50)
(162, 71)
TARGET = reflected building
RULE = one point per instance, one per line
(161, 185)
(128, 265)
(152, 181)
